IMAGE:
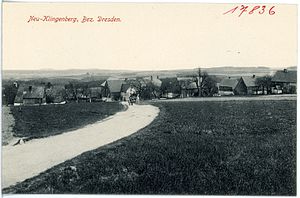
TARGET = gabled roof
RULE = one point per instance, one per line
(97, 83)
(36, 92)
(249, 81)
(115, 85)
(285, 76)
(229, 82)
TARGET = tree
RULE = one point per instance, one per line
(170, 85)
(10, 92)
(265, 83)
(49, 93)
(199, 82)
(71, 93)
(206, 84)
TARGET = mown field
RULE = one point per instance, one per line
(46, 120)
(208, 148)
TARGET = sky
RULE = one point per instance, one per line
(150, 36)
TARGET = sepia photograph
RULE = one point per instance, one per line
(149, 98)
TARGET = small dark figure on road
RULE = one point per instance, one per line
(132, 99)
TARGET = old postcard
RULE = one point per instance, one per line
(149, 98)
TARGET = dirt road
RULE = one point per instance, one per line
(27, 160)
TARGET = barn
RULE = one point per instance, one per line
(247, 86)
(284, 81)
(227, 86)
(34, 95)
(114, 87)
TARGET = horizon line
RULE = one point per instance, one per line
(49, 69)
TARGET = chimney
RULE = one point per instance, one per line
(151, 78)
(253, 76)
(285, 71)
(30, 89)
(157, 77)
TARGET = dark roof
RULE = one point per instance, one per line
(20, 93)
(95, 83)
(249, 81)
(125, 87)
(36, 92)
(167, 80)
(285, 76)
(229, 82)
(88, 84)
(115, 85)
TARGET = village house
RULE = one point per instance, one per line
(114, 87)
(227, 86)
(284, 82)
(97, 91)
(34, 95)
(188, 87)
(105, 90)
(90, 91)
(247, 86)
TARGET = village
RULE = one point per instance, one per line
(151, 87)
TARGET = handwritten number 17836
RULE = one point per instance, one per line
(251, 10)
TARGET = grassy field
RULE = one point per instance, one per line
(8, 123)
(47, 120)
(211, 148)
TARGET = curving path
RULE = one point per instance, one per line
(24, 161)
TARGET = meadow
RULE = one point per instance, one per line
(46, 120)
(207, 148)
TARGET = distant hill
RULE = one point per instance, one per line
(294, 68)
(94, 74)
